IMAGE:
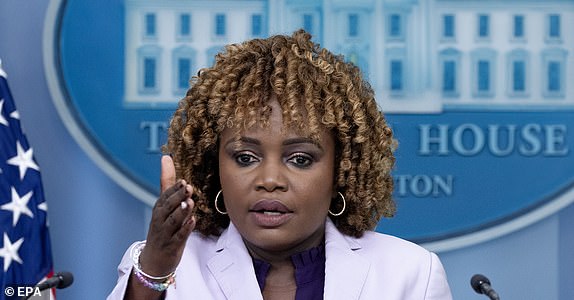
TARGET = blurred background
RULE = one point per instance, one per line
(93, 219)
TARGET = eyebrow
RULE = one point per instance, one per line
(301, 140)
(287, 142)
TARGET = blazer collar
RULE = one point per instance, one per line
(232, 266)
(345, 270)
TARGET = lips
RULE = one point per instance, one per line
(270, 213)
(275, 206)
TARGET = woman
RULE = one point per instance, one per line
(284, 165)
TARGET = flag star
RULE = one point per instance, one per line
(18, 206)
(3, 120)
(24, 160)
(10, 251)
(43, 206)
(15, 115)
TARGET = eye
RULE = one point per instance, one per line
(245, 159)
(301, 160)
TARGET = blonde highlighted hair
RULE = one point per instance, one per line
(316, 89)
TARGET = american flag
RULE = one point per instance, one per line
(25, 253)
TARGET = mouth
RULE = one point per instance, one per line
(270, 207)
(270, 213)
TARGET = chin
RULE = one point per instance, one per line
(271, 240)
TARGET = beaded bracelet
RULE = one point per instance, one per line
(146, 279)
(156, 286)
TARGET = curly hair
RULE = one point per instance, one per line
(316, 89)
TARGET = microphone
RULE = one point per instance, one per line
(60, 280)
(481, 285)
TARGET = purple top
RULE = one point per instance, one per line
(309, 273)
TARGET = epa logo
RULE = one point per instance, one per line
(22, 291)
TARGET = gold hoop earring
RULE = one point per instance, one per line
(342, 210)
(217, 208)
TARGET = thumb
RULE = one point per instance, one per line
(167, 177)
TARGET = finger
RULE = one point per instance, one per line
(178, 217)
(168, 184)
(162, 255)
(177, 190)
(167, 176)
(186, 228)
(171, 199)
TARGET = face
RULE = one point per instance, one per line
(277, 184)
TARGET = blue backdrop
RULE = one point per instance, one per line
(93, 220)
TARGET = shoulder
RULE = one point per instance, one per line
(408, 270)
(374, 245)
(389, 245)
(198, 243)
(385, 250)
(379, 248)
(203, 248)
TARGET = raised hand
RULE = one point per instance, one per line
(171, 223)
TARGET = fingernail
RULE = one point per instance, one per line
(188, 221)
(183, 205)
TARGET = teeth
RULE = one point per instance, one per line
(271, 213)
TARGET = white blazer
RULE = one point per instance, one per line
(375, 266)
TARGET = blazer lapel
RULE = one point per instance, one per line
(232, 267)
(345, 270)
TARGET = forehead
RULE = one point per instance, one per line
(259, 112)
(273, 129)
(276, 126)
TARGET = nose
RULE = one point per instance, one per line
(271, 177)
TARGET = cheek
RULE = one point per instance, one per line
(230, 182)
(226, 173)
(227, 181)
(320, 188)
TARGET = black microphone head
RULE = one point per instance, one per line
(66, 279)
(477, 280)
